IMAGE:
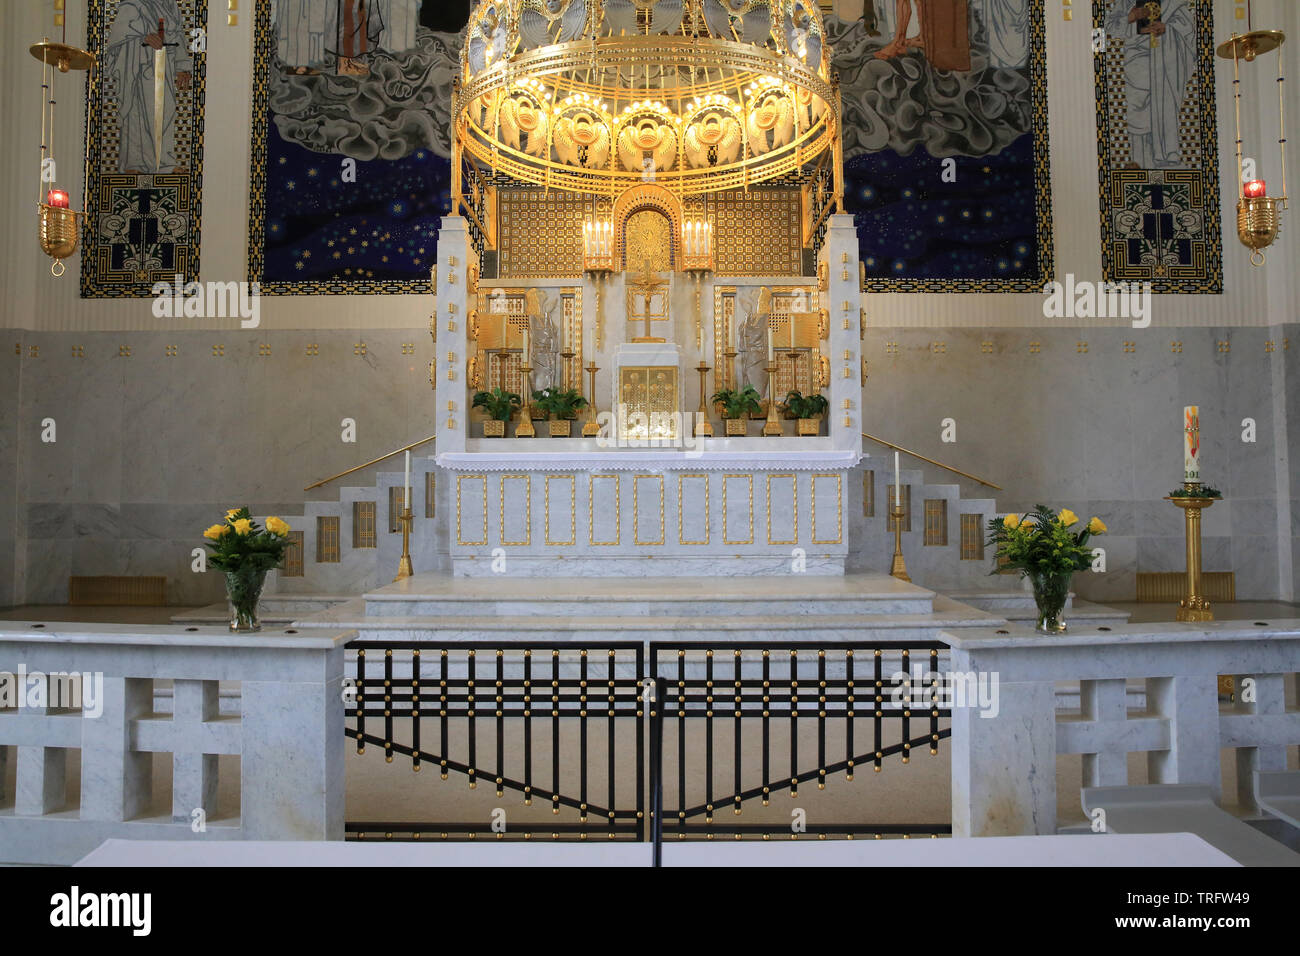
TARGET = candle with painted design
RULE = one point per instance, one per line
(1192, 443)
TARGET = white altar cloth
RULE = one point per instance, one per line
(1119, 850)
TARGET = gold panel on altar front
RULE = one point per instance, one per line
(648, 399)
(757, 232)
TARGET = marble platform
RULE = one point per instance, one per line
(438, 607)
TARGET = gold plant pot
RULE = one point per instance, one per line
(810, 426)
(59, 231)
(1257, 223)
(494, 429)
(562, 428)
(737, 427)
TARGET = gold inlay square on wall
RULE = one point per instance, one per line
(528, 511)
(794, 508)
(681, 508)
(636, 509)
(591, 511)
(817, 537)
(460, 481)
(573, 510)
(749, 496)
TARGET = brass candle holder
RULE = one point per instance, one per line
(772, 427)
(1195, 606)
(899, 568)
(591, 429)
(703, 427)
(525, 428)
(404, 569)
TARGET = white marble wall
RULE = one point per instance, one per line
(1069, 418)
(151, 449)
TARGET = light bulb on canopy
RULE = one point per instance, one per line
(595, 96)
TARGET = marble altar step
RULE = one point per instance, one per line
(659, 624)
(430, 595)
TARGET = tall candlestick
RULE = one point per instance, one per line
(898, 490)
(1191, 443)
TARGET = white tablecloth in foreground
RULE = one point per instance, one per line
(1141, 849)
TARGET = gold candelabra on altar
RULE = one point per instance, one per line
(703, 427)
(404, 568)
(525, 427)
(771, 427)
(899, 567)
(591, 429)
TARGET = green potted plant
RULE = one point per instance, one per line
(562, 406)
(244, 552)
(1041, 546)
(499, 405)
(736, 404)
(808, 410)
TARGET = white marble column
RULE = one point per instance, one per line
(1105, 700)
(455, 255)
(194, 774)
(1269, 692)
(1004, 768)
(1191, 705)
(293, 747)
(843, 303)
(116, 781)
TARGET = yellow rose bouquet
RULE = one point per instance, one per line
(244, 552)
(1045, 547)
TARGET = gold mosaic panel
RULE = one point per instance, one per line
(758, 233)
(540, 233)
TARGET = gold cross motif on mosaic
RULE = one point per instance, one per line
(647, 301)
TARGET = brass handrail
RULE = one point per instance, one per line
(955, 471)
(373, 461)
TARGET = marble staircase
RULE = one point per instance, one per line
(935, 560)
(952, 590)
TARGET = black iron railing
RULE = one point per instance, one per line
(727, 727)
(507, 716)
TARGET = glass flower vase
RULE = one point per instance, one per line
(244, 590)
(1051, 590)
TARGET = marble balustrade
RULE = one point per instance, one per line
(1004, 764)
(286, 735)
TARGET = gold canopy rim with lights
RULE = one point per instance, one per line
(599, 111)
